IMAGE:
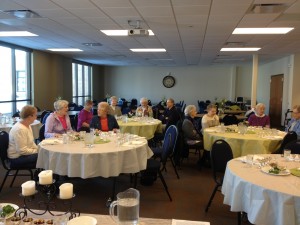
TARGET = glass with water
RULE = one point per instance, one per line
(128, 207)
(89, 140)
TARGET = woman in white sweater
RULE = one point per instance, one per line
(22, 151)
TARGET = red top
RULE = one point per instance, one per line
(104, 124)
(63, 122)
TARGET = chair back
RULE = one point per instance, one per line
(4, 140)
(169, 144)
(220, 154)
(44, 114)
(229, 120)
(294, 146)
(289, 137)
(42, 133)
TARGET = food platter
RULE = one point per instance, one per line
(266, 170)
(83, 220)
(12, 205)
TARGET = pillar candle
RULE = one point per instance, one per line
(45, 177)
(28, 188)
(66, 191)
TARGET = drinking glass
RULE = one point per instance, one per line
(89, 140)
(249, 160)
(287, 154)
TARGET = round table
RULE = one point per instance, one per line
(249, 143)
(267, 199)
(144, 127)
(105, 160)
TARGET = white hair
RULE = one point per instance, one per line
(189, 109)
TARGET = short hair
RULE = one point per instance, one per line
(143, 99)
(171, 100)
(59, 104)
(189, 109)
(114, 98)
(297, 107)
(27, 110)
(260, 105)
(211, 106)
(104, 105)
(88, 102)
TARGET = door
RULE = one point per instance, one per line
(275, 110)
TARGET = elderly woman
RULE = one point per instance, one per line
(58, 122)
(210, 119)
(22, 151)
(259, 118)
(104, 121)
(294, 124)
(190, 127)
(85, 116)
(144, 109)
(113, 108)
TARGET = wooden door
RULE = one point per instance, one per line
(275, 110)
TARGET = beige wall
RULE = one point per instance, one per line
(295, 98)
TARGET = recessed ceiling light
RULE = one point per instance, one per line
(239, 49)
(64, 49)
(264, 30)
(148, 49)
(120, 32)
(16, 34)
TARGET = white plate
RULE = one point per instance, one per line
(282, 173)
(13, 205)
(83, 220)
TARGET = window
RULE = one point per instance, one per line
(15, 76)
(81, 77)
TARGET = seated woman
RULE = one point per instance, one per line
(210, 119)
(113, 108)
(104, 121)
(294, 124)
(259, 118)
(22, 151)
(58, 122)
(85, 116)
(144, 109)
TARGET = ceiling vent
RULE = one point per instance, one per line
(22, 14)
(92, 44)
(268, 8)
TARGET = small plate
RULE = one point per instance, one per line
(282, 173)
(12, 205)
(83, 220)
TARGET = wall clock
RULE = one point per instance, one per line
(169, 81)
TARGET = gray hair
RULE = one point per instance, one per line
(189, 109)
(260, 105)
(59, 104)
(114, 97)
(143, 99)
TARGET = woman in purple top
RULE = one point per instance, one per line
(85, 116)
(259, 118)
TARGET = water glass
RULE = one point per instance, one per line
(249, 160)
(89, 140)
(287, 154)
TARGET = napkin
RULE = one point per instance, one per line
(51, 142)
(295, 172)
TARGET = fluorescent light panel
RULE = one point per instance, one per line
(265, 30)
(239, 49)
(148, 49)
(16, 34)
(64, 49)
(120, 32)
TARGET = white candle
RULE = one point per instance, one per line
(28, 188)
(45, 177)
(66, 191)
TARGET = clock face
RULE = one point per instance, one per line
(169, 81)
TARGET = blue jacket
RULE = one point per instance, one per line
(112, 122)
(296, 128)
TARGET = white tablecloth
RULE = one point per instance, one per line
(35, 126)
(267, 199)
(105, 160)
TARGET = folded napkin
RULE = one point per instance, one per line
(132, 143)
(51, 142)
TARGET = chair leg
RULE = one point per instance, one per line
(165, 185)
(239, 218)
(31, 174)
(211, 197)
(3, 182)
(173, 164)
(13, 180)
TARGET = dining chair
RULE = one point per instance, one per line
(42, 133)
(289, 137)
(167, 150)
(294, 146)
(230, 120)
(10, 171)
(220, 154)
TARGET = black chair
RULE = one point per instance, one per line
(43, 114)
(167, 150)
(134, 102)
(230, 120)
(289, 137)
(4, 140)
(45, 117)
(294, 146)
(220, 154)
(42, 133)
